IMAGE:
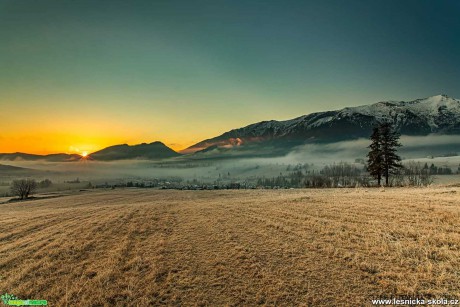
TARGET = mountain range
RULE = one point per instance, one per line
(433, 115)
(152, 151)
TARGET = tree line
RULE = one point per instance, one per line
(383, 165)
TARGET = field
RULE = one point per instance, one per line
(270, 247)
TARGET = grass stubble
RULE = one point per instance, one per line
(260, 247)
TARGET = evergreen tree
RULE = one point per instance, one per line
(433, 169)
(389, 145)
(375, 159)
(382, 157)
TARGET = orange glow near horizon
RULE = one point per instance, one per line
(85, 130)
(71, 144)
(80, 119)
(89, 126)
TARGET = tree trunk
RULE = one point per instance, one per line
(386, 176)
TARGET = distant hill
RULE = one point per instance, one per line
(10, 168)
(14, 170)
(433, 115)
(19, 156)
(152, 151)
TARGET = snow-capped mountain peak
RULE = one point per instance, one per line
(436, 114)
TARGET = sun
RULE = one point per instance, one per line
(84, 154)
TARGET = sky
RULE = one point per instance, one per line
(82, 75)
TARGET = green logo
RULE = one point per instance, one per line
(12, 300)
(6, 297)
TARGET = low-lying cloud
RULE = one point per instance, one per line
(239, 164)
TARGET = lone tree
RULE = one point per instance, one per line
(390, 144)
(375, 157)
(383, 160)
(23, 188)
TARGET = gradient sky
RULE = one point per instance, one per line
(82, 75)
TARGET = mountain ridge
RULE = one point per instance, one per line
(152, 151)
(436, 114)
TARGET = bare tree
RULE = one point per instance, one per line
(417, 175)
(23, 188)
(342, 174)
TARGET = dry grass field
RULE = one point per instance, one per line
(335, 247)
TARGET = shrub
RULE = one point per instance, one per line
(23, 188)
